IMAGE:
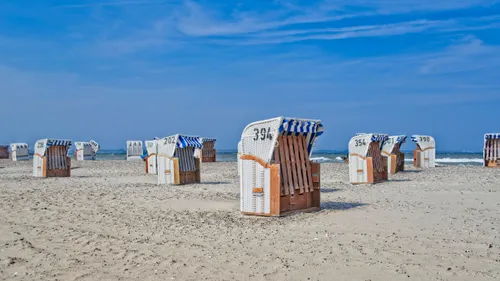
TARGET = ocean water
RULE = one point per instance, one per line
(330, 156)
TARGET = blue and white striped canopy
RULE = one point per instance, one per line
(54, 142)
(187, 141)
(492, 136)
(414, 138)
(401, 139)
(379, 138)
(299, 126)
(208, 140)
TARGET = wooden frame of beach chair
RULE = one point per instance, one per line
(491, 150)
(19, 151)
(151, 158)
(4, 151)
(51, 158)
(392, 150)
(208, 153)
(276, 174)
(366, 162)
(176, 161)
(134, 150)
(84, 151)
(424, 155)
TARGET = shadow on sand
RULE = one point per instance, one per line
(215, 182)
(329, 190)
(341, 205)
(398, 180)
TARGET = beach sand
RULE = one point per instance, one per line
(110, 221)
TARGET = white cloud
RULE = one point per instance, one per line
(468, 54)
(114, 3)
(197, 20)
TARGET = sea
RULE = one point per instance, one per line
(329, 156)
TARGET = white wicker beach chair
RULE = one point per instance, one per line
(51, 158)
(276, 174)
(424, 156)
(366, 163)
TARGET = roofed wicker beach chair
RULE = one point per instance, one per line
(392, 150)
(4, 151)
(366, 163)
(19, 151)
(208, 152)
(84, 151)
(176, 161)
(491, 151)
(424, 156)
(51, 158)
(134, 150)
(276, 174)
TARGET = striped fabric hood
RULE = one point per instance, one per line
(56, 142)
(189, 141)
(379, 138)
(401, 139)
(291, 125)
(492, 136)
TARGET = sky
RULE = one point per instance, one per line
(137, 69)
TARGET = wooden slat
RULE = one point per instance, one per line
(288, 164)
(308, 164)
(292, 162)
(177, 178)
(298, 163)
(277, 161)
(274, 190)
(303, 160)
(61, 157)
(284, 169)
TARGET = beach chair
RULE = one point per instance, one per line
(424, 156)
(208, 152)
(392, 150)
(366, 162)
(95, 148)
(176, 161)
(19, 151)
(134, 150)
(84, 151)
(4, 151)
(51, 158)
(151, 158)
(491, 151)
(276, 174)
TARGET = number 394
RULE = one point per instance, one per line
(262, 134)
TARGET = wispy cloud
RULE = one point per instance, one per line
(290, 24)
(115, 3)
(196, 20)
(468, 54)
(379, 30)
(343, 33)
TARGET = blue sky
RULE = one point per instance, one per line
(133, 69)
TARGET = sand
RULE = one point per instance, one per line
(110, 221)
